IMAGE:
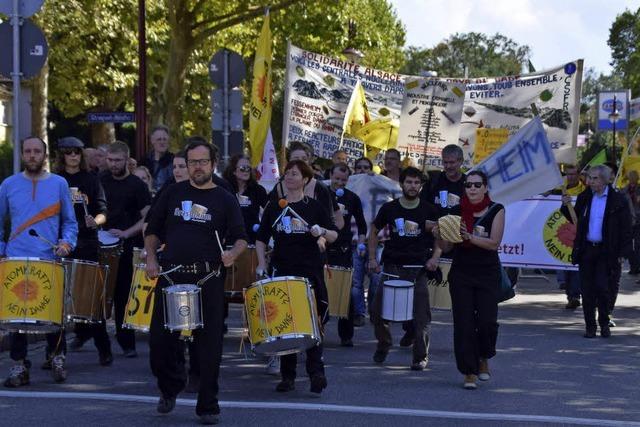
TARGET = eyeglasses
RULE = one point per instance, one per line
(244, 168)
(363, 167)
(473, 184)
(198, 162)
(68, 151)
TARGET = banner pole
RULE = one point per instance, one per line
(287, 108)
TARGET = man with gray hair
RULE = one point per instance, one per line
(603, 236)
(446, 187)
(159, 161)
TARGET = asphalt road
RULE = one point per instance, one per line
(545, 373)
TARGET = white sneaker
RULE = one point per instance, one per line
(273, 365)
(58, 370)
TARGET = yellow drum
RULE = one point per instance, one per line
(338, 280)
(281, 315)
(31, 295)
(137, 313)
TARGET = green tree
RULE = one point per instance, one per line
(624, 41)
(481, 54)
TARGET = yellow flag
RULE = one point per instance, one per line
(380, 133)
(357, 114)
(261, 92)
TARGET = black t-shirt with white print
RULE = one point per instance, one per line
(410, 244)
(295, 249)
(187, 218)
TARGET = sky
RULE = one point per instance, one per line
(557, 31)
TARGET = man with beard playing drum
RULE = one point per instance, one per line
(189, 217)
(297, 252)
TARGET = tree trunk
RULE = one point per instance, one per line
(102, 133)
(39, 100)
(167, 106)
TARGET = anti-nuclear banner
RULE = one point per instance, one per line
(317, 93)
(537, 235)
(374, 191)
(505, 102)
(430, 119)
(523, 167)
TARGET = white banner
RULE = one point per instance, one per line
(537, 235)
(505, 102)
(523, 167)
(431, 109)
(317, 92)
(374, 191)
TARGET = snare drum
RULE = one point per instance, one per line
(31, 295)
(137, 313)
(109, 254)
(182, 307)
(281, 315)
(241, 274)
(338, 280)
(397, 300)
(84, 290)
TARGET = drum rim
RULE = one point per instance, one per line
(79, 261)
(31, 259)
(338, 267)
(410, 284)
(193, 288)
(279, 279)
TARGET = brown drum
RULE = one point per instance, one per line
(241, 275)
(109, 254)
(84, 290)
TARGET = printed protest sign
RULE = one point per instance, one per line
(430, 118)
(488, 141)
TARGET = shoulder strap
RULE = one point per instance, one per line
(491, 207)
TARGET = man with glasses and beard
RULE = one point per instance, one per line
(40, 201)
(192, 246)
(128, 201)
(404, 257)
(90, 207)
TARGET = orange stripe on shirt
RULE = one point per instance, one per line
(47, 212)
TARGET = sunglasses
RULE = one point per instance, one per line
(244, 168)
(473, 184)
(71, 151)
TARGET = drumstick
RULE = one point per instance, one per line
(34, 233)
(219, 242)
(84, 205)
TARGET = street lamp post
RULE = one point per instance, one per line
(613, 117)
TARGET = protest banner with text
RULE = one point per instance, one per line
(523, 167)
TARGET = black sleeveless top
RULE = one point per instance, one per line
(474, 256)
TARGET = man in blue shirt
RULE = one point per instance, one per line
(603, 236)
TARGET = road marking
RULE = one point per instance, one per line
(367, 410)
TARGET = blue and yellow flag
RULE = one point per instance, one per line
(261, 94)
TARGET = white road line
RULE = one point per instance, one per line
(368, 410)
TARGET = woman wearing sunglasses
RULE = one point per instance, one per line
(251, 195)
(474, 279)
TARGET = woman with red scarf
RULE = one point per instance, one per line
(474, 279)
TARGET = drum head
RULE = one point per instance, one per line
(107, 239)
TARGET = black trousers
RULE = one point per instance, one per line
(87, 250)
(421, 323)
(56, 344)
(314, 362)
(596, 287)
(167, 349)
(343, 257)
(126, 337)
(474, 305)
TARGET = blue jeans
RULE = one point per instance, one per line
(357, 288)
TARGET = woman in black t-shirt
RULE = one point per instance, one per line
(251, 195)
(474, 279)
(299, 238)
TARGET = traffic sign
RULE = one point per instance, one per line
(236, 142)
(111, 117)
(235, 64)
(234, 107)
(33, 49)
(26, 8)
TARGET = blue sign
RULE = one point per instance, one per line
(606, 107)
(114, 117)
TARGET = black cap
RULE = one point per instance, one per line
(70, 142)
